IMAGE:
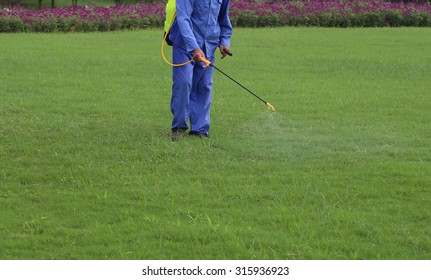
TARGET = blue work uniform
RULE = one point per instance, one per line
(200, 24)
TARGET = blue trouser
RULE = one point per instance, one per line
(191, 92)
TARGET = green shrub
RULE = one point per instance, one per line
(419, 19)
(372, 20)
(247, 20)
(393, 18)
(269, 20)
(46, 25)
(11, 24)
(103, 25)
(357, 20)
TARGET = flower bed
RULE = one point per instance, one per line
(245, 13)
(330, 13)
(85, 19)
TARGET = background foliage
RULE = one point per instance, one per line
(104, 16)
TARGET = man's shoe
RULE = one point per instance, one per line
(177, 134)
(199, 134)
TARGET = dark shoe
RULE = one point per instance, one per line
(177, 134)
(199, 134)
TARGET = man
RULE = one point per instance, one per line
(199, 28)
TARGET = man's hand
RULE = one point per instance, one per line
(224, 50)
(197, 54)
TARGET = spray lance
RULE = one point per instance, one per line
(208, 64)
(170, 17)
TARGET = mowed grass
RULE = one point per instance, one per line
(341, 170)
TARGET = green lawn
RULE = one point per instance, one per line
(341, 170)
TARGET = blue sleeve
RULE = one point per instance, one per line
(184, 12)
(225, 24)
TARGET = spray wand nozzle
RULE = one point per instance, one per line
(270, 107)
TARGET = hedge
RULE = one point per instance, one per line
(246, 13)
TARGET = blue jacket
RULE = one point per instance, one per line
(201, 24)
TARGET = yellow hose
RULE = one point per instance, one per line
(163, 47)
